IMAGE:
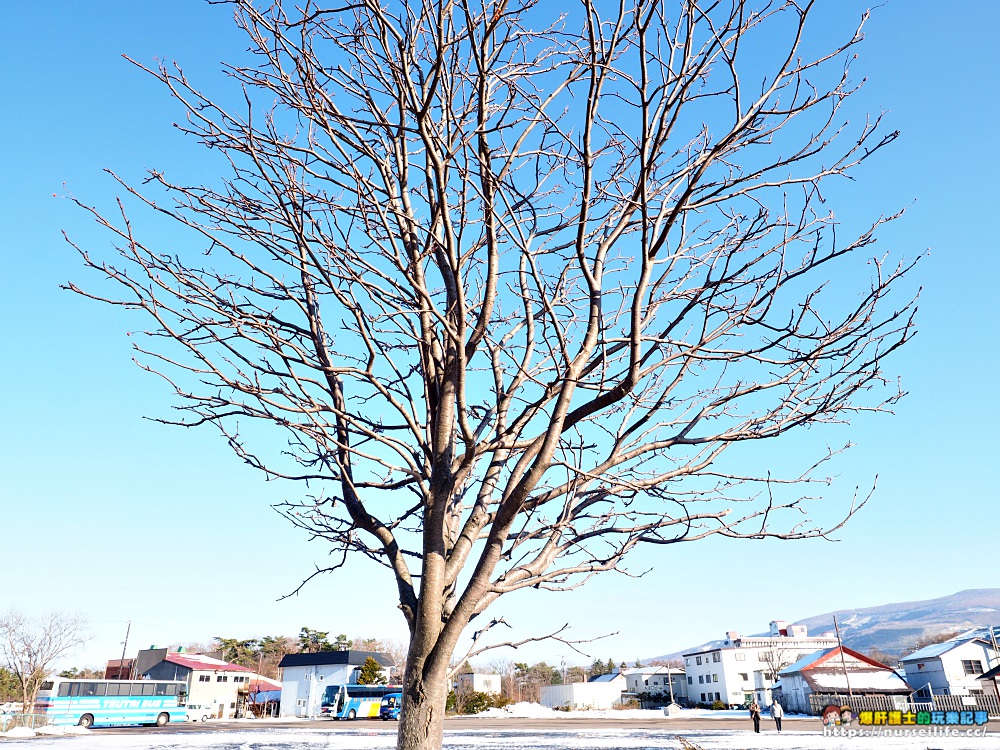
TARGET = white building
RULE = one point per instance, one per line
(473, 682)
(213, 683)
(736, 669)
(600, 692)
(656, 681)
(952, 667)
(305, 677)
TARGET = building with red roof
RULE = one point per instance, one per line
(216, 686)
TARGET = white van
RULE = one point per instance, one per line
(198, 712)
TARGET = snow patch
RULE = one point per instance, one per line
(18, 733)
(535, 711)
(62, 731)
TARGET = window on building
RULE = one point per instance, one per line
(232, 705)
(715, 678)
(740, 656)
(222, 678)
(701, 680)
(718, 697)
(702, 697)
(716, 656)
(975, 692)
(204, 678)
(697, 660)
(744, 676)
(972, 666)
(687, 662)
(690, 680)
(645, 682)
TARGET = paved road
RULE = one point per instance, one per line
(798, 724)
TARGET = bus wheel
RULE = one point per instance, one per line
(86, 721)
(352, 714)
(162, 720)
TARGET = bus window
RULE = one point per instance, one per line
(45, 686)
(114, 688)
(161, 689)
(64, 689)
(147, 689)
(101, 688)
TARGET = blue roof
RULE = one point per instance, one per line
(805, 661)
(605, 677)
(935, 649)
(266, 696)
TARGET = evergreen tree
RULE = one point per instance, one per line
(371, 673)
(610, 667)
(235, 651)
(341, 644)
(314, 641)
(597, 668)
(10, 688)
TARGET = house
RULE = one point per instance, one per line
(655, 685)
(211, 682)
(305, 677)
(830, 675)
(119, 669)
(599, 692)
(473, 682)
(264, 696)
(989, 682)
(736, 669)
(952, 667)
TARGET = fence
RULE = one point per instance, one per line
(988, 703)
(31, 721)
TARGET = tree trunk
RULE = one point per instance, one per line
(421, 722)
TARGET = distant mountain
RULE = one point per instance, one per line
(894, 628)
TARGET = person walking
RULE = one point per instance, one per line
(755, 715)
(776, 713)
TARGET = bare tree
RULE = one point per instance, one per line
(29, 646)
(776, 659)
(512, 278)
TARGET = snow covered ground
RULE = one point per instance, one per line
(384, 738)
(378, 736)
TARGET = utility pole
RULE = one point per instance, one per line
(996, 651)
(121, 665)
(843, 661)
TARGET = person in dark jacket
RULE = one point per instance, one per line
(776, 713)
(755, 715)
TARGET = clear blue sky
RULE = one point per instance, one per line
(89, 491)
